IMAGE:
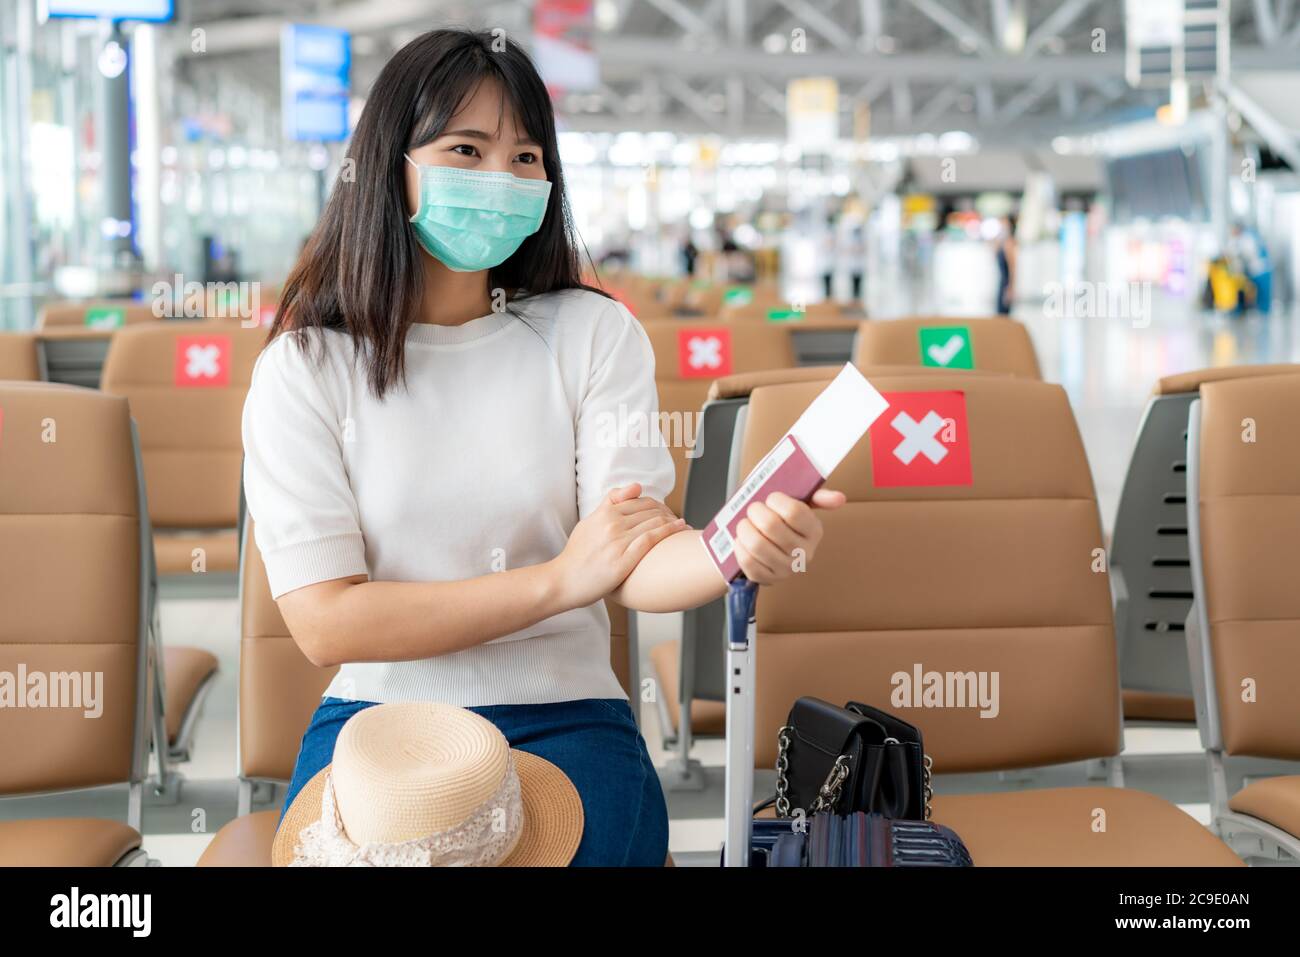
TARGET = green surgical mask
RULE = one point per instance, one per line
(469, 220)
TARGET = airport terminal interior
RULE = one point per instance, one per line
(1061, 238)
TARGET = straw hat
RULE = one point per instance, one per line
(430, 785)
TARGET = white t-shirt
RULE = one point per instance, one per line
(509, 429)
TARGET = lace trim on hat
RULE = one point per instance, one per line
(483, 839)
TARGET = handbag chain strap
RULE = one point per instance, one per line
(829, 792)
(827, 795)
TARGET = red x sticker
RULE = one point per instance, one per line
(703, 353)
(921, 440)
(202, 361)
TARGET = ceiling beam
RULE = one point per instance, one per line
(937, 106)
(1266, 22)
(682, 15)
(689, 98)
(872, 15)
(955, 25)
(1058, 20)
(902, 99)
(830, 31)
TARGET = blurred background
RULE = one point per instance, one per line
(875, 150)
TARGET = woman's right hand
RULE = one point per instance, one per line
(606, 545)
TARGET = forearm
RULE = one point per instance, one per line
(358, 620)
(675, 575)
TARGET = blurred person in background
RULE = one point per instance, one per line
(1006, 259)
(690, 253)
(827, 254)
(1251, 258)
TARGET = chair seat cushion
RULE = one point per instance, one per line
(65, 842)
(1155, 706)
(174, 551)
(1275, 801)
(707, 717)
(244, 842)
(185, 670)
(1059, 827)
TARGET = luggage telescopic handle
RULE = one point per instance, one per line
(742, 596)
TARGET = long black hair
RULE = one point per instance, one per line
(360, 271)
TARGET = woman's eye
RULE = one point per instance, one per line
(527, 157)
(464, 149)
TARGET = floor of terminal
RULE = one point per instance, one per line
(1107, 365)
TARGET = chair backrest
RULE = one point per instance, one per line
(1150, 548)
(186, 381)
(967, 555)
(992, 345)
(688, 357)
(620, 648)
(19, 358)
(72, 651)
(1246, 484)
(278, 687)
(102, 314)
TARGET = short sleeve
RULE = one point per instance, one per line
(295, 480)
(618, 437)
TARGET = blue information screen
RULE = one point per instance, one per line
(155, 10)
(314, 65)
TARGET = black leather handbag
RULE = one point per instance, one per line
(856, 758)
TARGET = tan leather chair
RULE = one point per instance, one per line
(1244, 479)
(683, 388)
(996, 345)
(188, 408)
(101, 315)
(1149, 559)
(279, 690)
(19, 357)
(693, 669)
(190, 430)
(75, 592)
(991, 572)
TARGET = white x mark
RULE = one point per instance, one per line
(919, 437)
(202, 362)
(705, 352)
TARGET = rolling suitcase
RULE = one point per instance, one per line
(829, 840)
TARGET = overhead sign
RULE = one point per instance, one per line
(562, 31)
(812, 109)
(314, 65)
(153, 10)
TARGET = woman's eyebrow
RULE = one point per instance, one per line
(480, 135)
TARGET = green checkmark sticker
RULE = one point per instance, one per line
(784, 315)
(105, 317)
(946, 347)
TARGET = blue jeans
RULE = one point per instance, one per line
(594, 741)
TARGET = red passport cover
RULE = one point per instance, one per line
(787, 469)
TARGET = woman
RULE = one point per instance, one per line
(437, 492)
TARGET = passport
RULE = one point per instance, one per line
(800, 462)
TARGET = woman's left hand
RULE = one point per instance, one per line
(779, 536)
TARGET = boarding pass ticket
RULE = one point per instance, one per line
(801, 460)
